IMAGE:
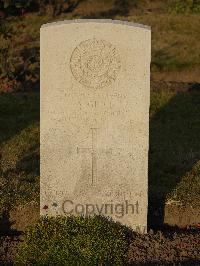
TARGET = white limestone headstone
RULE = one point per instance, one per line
(95, 87)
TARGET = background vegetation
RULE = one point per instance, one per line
(175, 37)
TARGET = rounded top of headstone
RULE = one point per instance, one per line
(112, 21)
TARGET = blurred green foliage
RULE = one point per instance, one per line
(19, 61)
(7, 61)
(20, 7)
(56, 7)
(185, 6)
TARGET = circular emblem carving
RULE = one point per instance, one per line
(95, 63)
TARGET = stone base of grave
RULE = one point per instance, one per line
(181, 216)
(23, 216)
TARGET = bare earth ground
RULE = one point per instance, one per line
(173, 247)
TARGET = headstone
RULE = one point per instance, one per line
(95, 86)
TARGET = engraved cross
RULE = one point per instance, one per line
(93, 151)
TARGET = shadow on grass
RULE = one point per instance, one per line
(6, 225)
(120, 8)
(174, 147)
(19, 155)
(17, 111)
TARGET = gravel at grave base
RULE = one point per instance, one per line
(160, 249)
(149, 249)
(9, 248)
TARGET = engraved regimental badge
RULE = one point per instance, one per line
(95, 63)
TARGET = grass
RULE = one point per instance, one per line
(174, 146)
(19, 149)
(175, 41)
(188, 189)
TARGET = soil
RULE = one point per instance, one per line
(154, 248)
(23, 216)
(182, 248)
